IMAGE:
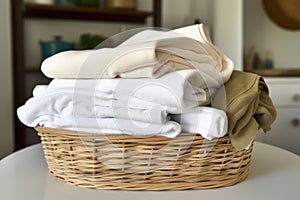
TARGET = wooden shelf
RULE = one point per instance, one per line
(32, 69)
(31, 10)
(276, 72)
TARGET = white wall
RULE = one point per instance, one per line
(202, 9)
(175, 13)
(228, 29)
(6, 112)
(264, 34)
(178, 13)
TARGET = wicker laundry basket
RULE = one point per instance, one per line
(154, 163)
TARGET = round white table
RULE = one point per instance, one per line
(274, 174)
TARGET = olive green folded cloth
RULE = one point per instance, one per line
(248, 107)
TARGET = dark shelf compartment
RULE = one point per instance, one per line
(276, 72)
(31, 10)
(32, 69)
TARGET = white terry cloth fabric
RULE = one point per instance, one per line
(84, 104)
(149, 53)
(176, 92)
(209, 122)
(61, 103)
(145, 100)
(109, 126)
(56, 110)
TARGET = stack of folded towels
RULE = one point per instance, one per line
(154, 83)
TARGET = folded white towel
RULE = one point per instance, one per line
(64, 104)
(145, 100)
(110, 126)
(147, 54)
(209, 122)
(132, 106)
(177, 92)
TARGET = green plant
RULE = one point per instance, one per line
(87, 3)
(90, 41)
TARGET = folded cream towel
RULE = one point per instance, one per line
(147, 54)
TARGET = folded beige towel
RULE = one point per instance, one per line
(148, 54)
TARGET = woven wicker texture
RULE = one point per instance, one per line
(153, 163)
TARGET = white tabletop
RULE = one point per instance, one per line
(274, 174)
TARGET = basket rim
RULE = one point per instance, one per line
(60, 131)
